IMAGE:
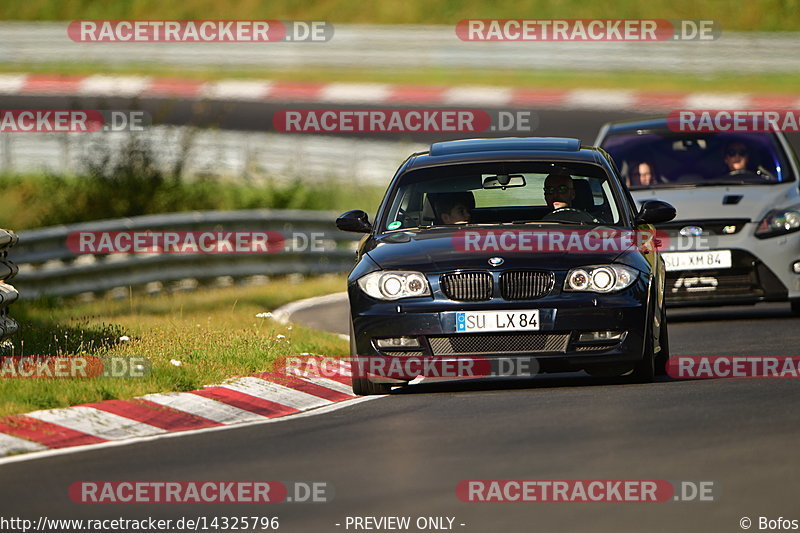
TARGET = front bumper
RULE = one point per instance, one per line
(761, 271)
(555, 347)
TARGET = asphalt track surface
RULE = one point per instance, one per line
(257, 116)
(404, 454)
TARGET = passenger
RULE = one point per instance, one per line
(453, 208)
(643, 175)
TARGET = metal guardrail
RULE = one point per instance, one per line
(393, 47)
(48, 267)
(8, 294)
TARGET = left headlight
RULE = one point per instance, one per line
(779, 222)
(604, 278)
(395, 284)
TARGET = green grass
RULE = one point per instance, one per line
(763, 15)
(215, 334)
(131, 184)
(36, 201)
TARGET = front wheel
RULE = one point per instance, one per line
(662, 359)
(362, 386)
(365, 387)
(645, 370)
(796, 307)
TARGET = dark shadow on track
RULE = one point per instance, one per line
(504, 384)
(769, 311)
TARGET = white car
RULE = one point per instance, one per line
(736, 236)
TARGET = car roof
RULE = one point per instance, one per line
(648, 124)
(505, 149)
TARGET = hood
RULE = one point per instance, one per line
(723, 201)
(439, 250)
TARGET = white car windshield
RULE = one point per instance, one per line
(667, 159)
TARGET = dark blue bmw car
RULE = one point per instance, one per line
(506, 250)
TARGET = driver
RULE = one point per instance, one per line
(736, 157)
(559, 191)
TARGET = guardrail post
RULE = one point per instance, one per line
(8, 294)
(7, 156)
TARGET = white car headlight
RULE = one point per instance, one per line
(779, 222)
(604, 278)
(394, 284)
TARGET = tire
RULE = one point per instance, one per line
(363, 386)
(645, 370)
(796, 307)
(662, 359)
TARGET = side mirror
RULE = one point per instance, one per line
(655, 212)
(356, 221)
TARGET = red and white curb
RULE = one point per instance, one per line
(251, 399)
(384, 94)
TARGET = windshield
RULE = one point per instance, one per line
(503, 193)
(666, 159)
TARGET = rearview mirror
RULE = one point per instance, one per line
(356, 221)
(501, 181)
(655, 212)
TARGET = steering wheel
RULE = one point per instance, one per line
(570, 214)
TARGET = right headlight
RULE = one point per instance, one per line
(779, 222)
(602, 278)
(394, 284)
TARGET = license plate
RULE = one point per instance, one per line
(697, 260)
(527, 320)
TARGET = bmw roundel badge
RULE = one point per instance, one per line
(496, 261)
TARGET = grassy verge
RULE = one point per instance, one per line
(38, 201)
(215, 334)
(129, 181)
(764, 15)
(521, 79)
(133, 184)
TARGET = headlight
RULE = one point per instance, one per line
(393, 285)
(779, 222)
(605, 278)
